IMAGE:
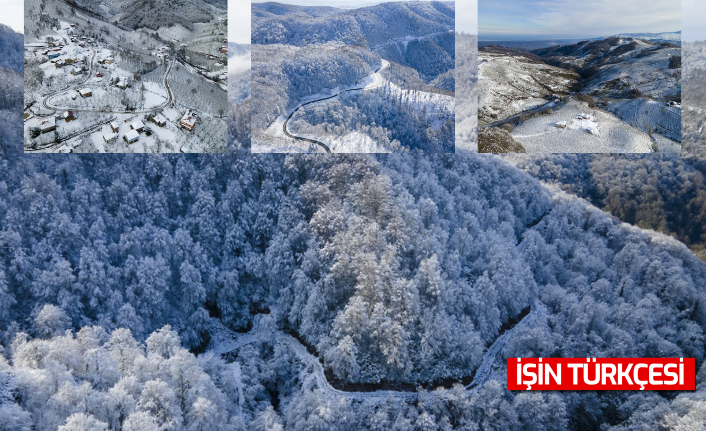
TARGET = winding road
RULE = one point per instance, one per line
(410, 39)
(377, 82)
(224, 341)
(47, 100)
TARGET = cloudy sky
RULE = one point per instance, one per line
(693, 18)
(575, 19)
(467, 16)
(239, 21)
(13, 15)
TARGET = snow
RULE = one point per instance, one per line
(602, 132)
(131, 134)
(510, 85)
(648, 115)
(155, 95)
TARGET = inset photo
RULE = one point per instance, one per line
(347, 77)
(125, 77)
(579, 77)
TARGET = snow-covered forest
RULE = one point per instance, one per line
(467, 92)
(397, 268)
(312, 54)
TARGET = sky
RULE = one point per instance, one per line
(239, 21)
(693, 18)
(575, 19)
(13, 15)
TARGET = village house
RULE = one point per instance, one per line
(137, 125)
(188, 121)
(68, 116)
(48, 125)
(85, 92)
(159, 120)
(131, 136)
(114, 126)
(109, 136)
(224, 49)
(99, 75)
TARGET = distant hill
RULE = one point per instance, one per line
(272, 8)
(151, 14)
(300, 25)
(674, 37)
(154, 14)
(530, 44)
(413, 34)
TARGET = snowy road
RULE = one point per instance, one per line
(47, 100)
(225, 341)
(377, 82)
(408, 39)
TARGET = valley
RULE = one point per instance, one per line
(630, 87)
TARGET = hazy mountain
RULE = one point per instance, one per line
(674, 36)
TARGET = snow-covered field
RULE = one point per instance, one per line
(602, 133)
(509, 85)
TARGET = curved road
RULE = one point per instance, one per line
(226, 341)
(47, 99)
(377, 82)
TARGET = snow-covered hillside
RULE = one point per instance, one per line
(645, 71)
(511, 84)
(657, 37)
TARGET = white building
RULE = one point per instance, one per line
(188, 121)
(131, 136)
(137, 126)
(110, 136)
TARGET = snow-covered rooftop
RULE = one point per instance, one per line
(132, 135)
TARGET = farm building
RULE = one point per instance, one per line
(137, 126)
(85, 92)
(53, 55)
(131, 136)
(114, 126)
(561, 124)
(68, 116)
(109, 136)
(48, 125)
(75, 71)
(188, 121)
